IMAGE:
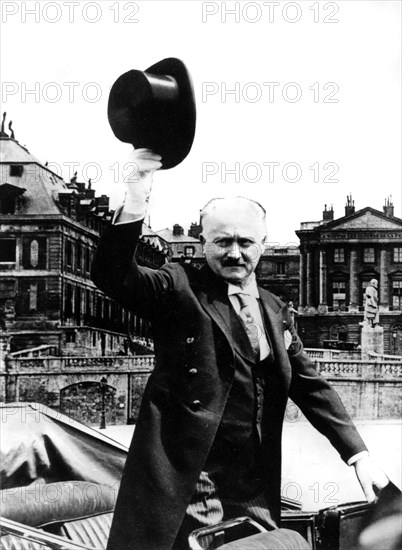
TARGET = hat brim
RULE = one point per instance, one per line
(136, 117)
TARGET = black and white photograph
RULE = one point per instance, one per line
(200, 275)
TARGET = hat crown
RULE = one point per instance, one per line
(155, 109)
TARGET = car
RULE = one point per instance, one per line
(60, 479)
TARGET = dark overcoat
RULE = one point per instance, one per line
(183, 403)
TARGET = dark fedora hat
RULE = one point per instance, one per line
(155, 109)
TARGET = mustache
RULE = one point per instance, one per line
(232, 263)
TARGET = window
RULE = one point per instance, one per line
(8, 251)
(69, 253)
(16, 170)
(86, 259)
(32, 296)
(397, 294)
(339, 255)
(70, 336)
(189, 251)
(68, 300)
(79, 257)
(397, 254)
(368, 255)
(34, 253)
(7, 205)
(88, 304)
(281, 268)
(77, 305)
(339, 332)
(339, 294)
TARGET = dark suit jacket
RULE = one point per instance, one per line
(181, 411)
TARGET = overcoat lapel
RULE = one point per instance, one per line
(212, 295)
(275, 326)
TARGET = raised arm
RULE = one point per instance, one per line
(114, 269)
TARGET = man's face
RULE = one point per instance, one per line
(233, 241)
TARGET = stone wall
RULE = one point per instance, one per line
(73, 386)
(369, 389)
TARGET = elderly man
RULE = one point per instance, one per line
(207, 445)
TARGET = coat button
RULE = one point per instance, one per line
(190, 340)
(195, 405)
(193, 371)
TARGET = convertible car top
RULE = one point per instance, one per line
(39, 444)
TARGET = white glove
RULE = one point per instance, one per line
(370, 477)
(138, 172)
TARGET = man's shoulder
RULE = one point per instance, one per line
(182, 271)
(272, 299)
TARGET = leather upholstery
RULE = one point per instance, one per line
(278, 539)
(78, 510)
(12, 542)
(42, 504)
(93, 531)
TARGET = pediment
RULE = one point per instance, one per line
(368, 220)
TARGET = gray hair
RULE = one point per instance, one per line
(212, 205)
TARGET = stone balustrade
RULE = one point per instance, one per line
(368, 389)
(360, 369)
(56, 365)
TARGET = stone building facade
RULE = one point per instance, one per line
(278, 272)
(49, 230)
(185, 248)
(338, 258)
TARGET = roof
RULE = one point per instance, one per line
(7, 189)
(12, 151)
(167, 235)
(366, 218)
(41, 184)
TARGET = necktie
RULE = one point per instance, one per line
(252, 329)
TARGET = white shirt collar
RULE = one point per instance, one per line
(251, 288)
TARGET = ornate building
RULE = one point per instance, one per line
(49, 230)
(278, 271)
(338, 258)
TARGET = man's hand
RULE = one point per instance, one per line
(138, 170)
(370, 477)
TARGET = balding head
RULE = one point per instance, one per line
(232, 208)
(233, 236)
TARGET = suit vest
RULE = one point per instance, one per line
(234, 457)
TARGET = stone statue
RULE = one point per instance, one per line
(292, 310)
(371, 316)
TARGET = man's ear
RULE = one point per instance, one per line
(263, 244)
(202, 241)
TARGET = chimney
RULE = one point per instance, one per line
(102, 203)
(194, 231)
(328, 215)
(389, 207)
(177, 230)
(349, 206)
